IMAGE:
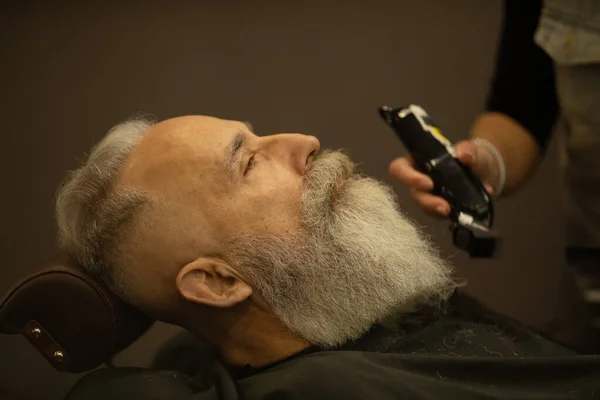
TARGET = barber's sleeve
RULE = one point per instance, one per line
(523, 85)
(138, 384)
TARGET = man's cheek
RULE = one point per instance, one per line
(286, 190)
(276, 210)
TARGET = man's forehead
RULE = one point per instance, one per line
(190, 127)
(201, 134)
(175, 145)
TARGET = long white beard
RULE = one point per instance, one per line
(357, 260)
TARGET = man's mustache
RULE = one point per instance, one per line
(328, 169)
(322, 180)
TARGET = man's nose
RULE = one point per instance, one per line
(293, 149)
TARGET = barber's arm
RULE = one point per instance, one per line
(508, 140)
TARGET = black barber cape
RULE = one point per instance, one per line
(464, 351)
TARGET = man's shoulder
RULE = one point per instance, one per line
(365, 375)
(356, 375)
(134, 383)
(332, 374)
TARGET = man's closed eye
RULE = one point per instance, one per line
(250, 165)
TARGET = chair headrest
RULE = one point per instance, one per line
(76, 322)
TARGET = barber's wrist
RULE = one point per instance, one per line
(490, 165)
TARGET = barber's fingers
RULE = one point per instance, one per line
(466, 151)
(489, 188)
(469, 154)
(403, 169)
(420, 185)
(433, 205)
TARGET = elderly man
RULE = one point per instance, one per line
(302, 273)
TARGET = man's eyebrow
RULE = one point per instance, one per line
(233, 151)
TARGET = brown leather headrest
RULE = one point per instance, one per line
(73, 320)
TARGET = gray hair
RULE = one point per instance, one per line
(91, 213)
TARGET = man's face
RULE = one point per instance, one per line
(327, 249)
(214, 180)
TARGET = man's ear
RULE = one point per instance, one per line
(212, 282)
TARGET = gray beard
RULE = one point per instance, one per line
(356, 261)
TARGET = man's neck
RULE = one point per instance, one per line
(254, 337)
(263, 350)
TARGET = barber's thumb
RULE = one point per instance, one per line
(466, 151)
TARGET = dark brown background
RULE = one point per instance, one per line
(70, 71)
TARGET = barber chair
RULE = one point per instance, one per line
(74, 321)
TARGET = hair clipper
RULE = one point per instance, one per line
(471, 206)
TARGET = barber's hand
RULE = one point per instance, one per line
(421, 185)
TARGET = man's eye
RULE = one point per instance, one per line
(250, 165)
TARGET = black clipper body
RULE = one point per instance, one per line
(471, 206)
